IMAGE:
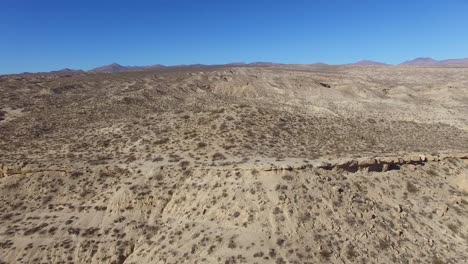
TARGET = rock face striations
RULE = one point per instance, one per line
(260, 163)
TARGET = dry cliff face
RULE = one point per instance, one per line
(311, 216)
(241, 165)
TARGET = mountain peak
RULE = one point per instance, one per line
(420, 61)
(369, 63)
(114, 67)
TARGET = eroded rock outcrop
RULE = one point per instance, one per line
(377, 164)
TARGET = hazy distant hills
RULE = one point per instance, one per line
(418, 62)
(415, 62)
(68, 71)
(432, 62)
(368, 63)
(115, 67)
(455, 62)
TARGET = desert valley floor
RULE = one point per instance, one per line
(278, 164)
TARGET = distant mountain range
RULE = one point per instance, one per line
(432, 62)
(420, 61)
(416, 62)
(68, 71)
(115, 67)
(369, 63)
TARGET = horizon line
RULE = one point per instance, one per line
(363, 62)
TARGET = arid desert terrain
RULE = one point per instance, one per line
(235, 164)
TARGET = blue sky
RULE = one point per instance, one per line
(82, 34)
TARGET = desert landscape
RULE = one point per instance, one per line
(238, 163)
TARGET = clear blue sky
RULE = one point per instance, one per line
(49, 35)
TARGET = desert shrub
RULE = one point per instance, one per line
(287, 177)
(159, 158)
(35, 229)
(76, 174)
(232, 244)
(383, 244)
(11, 186)
(280, 260)
(411, 188)
(161, 141)
(5, 245)
(272, 253)
(280, 242)
(211, 249)
(436, 260)
(184, 164)
(305, 217)
(174, 157)
(258, 255)
(432, 172)
(453, 228)
(130, 158)
(90, 231)
(218, 156)
(351, 252)
(100, 208)
(201, 144)
(158, 177)
(228, 147)
(325, 254)
(74, 231)
(218, 111)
